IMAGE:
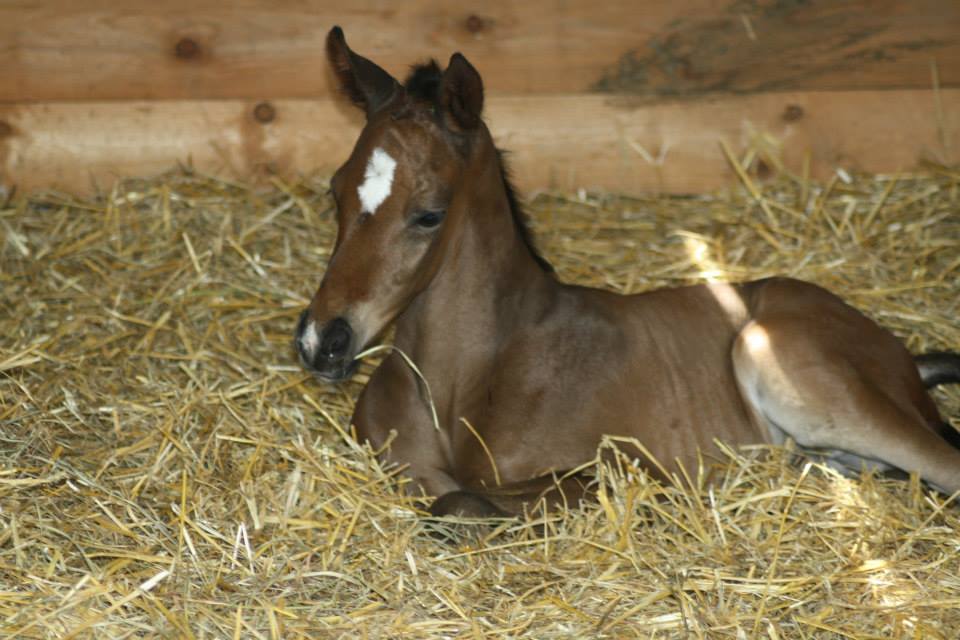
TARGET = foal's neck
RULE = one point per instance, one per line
(490, 280)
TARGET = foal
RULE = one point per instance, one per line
(526, 373)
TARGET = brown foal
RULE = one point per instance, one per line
(527, 373)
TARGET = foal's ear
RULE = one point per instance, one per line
(461, 94)
(369, 86)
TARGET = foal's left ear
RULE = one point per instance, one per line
(368, 85)
(461, 94)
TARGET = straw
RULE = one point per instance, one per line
(168, 470)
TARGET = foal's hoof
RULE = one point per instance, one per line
(456, 514)
(463, 504)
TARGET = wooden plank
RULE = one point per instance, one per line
(563, 142)
(780, 45)
(56, 50)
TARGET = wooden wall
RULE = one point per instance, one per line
(625, 95)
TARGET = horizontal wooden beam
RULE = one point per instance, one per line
(564, 142)
(56, 50)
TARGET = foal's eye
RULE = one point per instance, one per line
(429, 219)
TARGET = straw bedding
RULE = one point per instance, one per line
(167, 470)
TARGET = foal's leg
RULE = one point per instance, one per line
(465, 504)
(817, 394)
(512, 500)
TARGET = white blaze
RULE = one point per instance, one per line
(377, 181)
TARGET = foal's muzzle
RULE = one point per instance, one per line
(327, 352)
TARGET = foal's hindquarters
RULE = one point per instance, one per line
(770, 359)
(815, 369)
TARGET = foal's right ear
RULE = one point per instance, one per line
(461, 93)
(369, 86)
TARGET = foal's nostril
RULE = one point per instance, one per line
(336, 339)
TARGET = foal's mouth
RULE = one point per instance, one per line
(338, 373)
(327, 370)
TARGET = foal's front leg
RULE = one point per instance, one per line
(465, 504)
(393, 402)
(426, 464)
(549, 492)
(392, 415)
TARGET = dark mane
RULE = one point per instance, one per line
(520, 220)
(423, 85)
(423, 82)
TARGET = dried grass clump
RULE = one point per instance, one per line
(167, 470)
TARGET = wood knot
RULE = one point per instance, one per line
(6, 129)
(792, 113)
(763, 169)
(264, 112)
(187, 49)
(684, 68)
(475, 24)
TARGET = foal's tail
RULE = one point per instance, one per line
(936, 368)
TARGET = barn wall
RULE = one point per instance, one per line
(622, 95)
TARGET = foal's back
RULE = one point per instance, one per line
(654, 366)
(674, 386)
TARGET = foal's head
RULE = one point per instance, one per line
(395, 199)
